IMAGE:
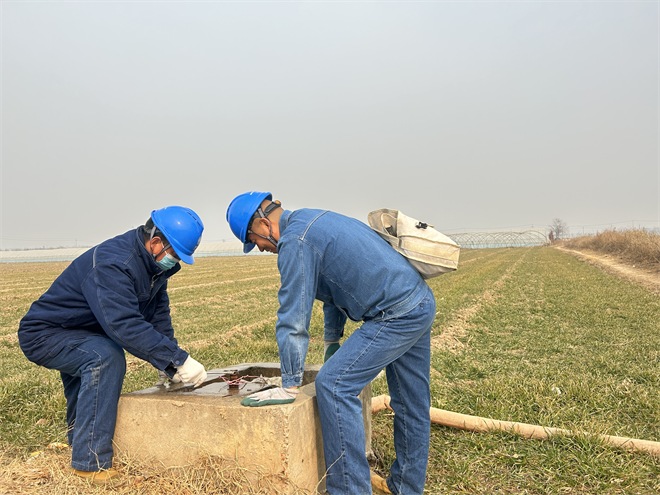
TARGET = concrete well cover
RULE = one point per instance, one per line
(172, 428)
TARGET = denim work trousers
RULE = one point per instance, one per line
(92, 371)
(403, 347)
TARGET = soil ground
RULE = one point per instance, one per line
(645, 275)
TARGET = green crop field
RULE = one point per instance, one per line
(521, 334)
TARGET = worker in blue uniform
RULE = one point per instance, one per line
(110, 299)
(356, 274)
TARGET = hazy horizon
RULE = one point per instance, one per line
(467, 115)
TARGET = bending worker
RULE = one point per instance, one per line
(111, 298)
(356, 274)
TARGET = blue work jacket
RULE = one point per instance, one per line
(346, 265)
(114, 289)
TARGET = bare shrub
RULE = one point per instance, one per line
(558, 228)
(635, 245)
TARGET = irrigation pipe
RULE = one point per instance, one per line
(476, 423)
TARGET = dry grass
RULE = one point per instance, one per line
(634, 245)
(48, 473)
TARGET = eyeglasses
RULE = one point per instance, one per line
(262, 214)
(249, 225)
(165, 248)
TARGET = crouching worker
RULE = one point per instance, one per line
(356, 274)
(111, 298)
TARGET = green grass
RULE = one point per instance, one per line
(526, 323)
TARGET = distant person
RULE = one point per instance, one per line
(111, 298)
(356, 274)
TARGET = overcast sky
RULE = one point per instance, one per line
(467, 115)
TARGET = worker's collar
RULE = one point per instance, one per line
(284, 221)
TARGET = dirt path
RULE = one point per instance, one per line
(644, 276)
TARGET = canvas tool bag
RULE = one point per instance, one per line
(429, 251)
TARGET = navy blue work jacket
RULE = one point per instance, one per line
(114, 289)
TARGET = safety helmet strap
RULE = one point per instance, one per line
(264, 214)
(165, 246)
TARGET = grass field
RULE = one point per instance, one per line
(521, 334)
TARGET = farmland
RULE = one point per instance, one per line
(521, 334)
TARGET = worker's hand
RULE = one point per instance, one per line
(163, 379)
(277, 395)
(191, 372)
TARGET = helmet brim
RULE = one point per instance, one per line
(188, 260)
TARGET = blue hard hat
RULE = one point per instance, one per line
(183, 229)
(240, 213)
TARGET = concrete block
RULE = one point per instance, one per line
(173, 427)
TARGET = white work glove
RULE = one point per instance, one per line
(191, 372)
(277, 395)
(163, 379)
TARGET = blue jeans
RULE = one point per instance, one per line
(402, 346)
(92, 370)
